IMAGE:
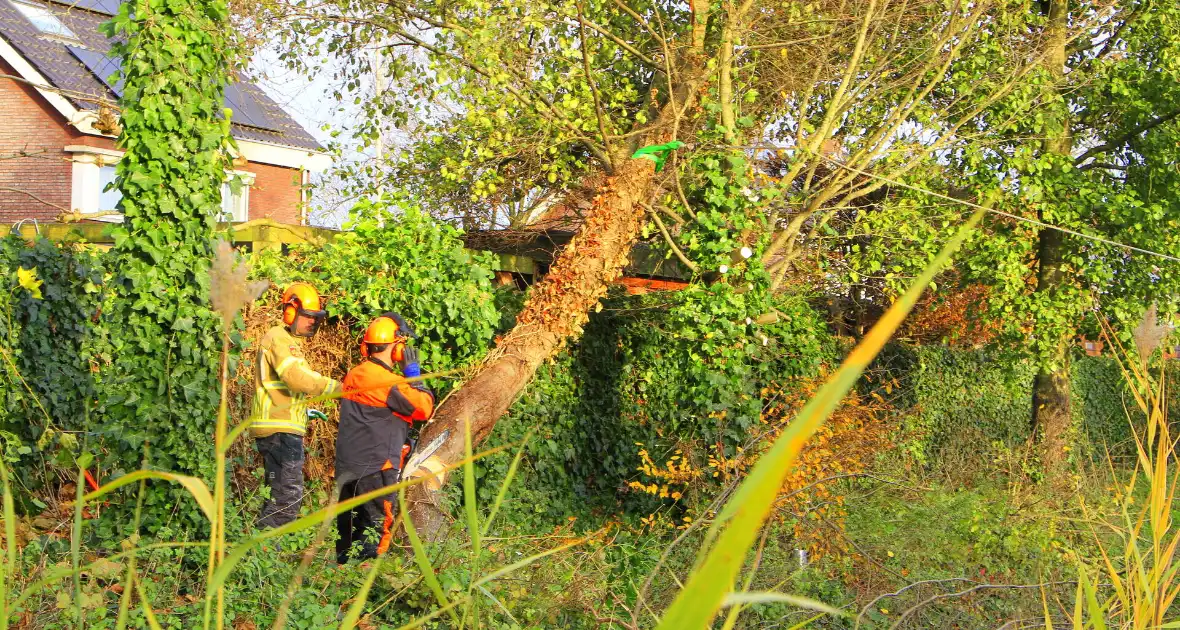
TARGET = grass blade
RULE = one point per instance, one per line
(499, 604)
(450, 608)
(805, 622)
(743, 516)
(507, 482)
(125, 600)
(195, 487)
(424, 561)
(469, 493)
(516, 566)
(6, 576)
(1097, 614)
(76, 547)
(240, 550)
(472, 513)
(1045, 606)
(806, 603)
(146, 606)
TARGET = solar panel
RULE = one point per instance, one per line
(102, 66)
(247, 110)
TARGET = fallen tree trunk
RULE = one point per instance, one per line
(555, 311)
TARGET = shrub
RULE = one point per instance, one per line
(397, 258)
(47, 338)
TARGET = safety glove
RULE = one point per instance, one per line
(409, 362)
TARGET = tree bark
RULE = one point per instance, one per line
(560, 304)
(1051, 389)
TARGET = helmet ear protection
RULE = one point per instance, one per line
(301, 299)
(290, 310)
(399, 349)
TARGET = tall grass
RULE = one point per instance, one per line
(1136, 582)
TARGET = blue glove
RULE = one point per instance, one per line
(409, 363)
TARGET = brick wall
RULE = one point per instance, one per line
(31, 124)
(277, 193)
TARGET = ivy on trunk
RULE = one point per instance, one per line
(160, 387)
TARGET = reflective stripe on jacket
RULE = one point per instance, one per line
(284, 381)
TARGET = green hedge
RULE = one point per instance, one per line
(951, 398)
(47, 385)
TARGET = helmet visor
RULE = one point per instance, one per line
(312, 324)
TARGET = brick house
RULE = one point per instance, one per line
(57, 152)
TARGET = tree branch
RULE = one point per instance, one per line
(584, 21)
(725, 69)
(74, 216)
(35, 197)
(668, 237)
(551, 115)
(977, 587)
(610, 165)
(1126, 137)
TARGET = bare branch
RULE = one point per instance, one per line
(610, 165)
(35, 197)
(1126, 137)
(973, 589)
(584, 21)
(668, 238)
(75, 216)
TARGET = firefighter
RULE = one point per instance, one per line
(377, 411)
(279, 417)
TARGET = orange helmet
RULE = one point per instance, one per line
(302, 299)
(386, 329)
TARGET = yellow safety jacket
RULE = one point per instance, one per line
(284, 381)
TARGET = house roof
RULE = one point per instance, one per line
(79, 67)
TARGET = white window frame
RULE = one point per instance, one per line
(239, 210)
(86, 184)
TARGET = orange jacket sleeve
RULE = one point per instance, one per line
(411, 402)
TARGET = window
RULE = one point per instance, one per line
(235, 206)
(44, 19)
(94, 170)
(108, 199)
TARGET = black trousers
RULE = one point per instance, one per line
(282, 459)
(365, 530)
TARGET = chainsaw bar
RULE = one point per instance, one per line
(420, 456)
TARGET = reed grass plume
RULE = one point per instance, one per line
(229, 289)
